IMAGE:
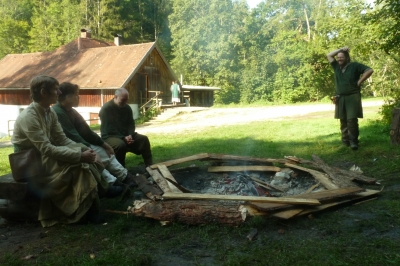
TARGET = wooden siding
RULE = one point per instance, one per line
(202, 98)
(153, 75)
(92, 98)
(15, 97)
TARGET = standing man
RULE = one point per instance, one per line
(348, 79)
(118, 129)
(175, 92)
(76, 128)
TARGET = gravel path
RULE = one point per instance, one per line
(214, 117)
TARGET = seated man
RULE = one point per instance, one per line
(76, 128)
(118, 129)
(69, 185)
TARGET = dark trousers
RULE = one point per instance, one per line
(350, 131)
(140, 146)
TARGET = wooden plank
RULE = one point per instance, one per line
(196, 196)
(312, 188)
(244, 158)
(358, 196)
(325, 181)
(242, 168)
(339, 179)
(159, 179)
(341, 173)
(182, 160)
(286, 214)
(356, 176)
(166, 174)
(321, 196)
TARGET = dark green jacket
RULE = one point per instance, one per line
(116, 121)
(75, 127)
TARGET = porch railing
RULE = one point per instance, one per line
(153, 103)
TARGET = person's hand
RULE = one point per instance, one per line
(345, 49)
(128, 139)
(109, 150)
(359, 82)
(88, 156)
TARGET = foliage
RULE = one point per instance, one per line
(275, 52)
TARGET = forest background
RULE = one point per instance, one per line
(275, 52)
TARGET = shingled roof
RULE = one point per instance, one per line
(105, 66)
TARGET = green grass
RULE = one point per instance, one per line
(365, 234)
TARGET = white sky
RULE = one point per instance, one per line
(253, 3)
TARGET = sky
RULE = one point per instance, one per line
(253, 3)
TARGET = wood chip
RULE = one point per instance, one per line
(252, 234)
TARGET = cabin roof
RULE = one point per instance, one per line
(90, 63)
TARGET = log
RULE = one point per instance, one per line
(182, 160)
(196, 196)
(339, 179)
(321, 196)
(242, 168)
(9, 189)
(167, 175)
(395, 127)
(191, 212)
(325, 181)
(20, 210)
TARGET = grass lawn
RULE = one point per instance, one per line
(364, 234)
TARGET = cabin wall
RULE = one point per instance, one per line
(202, 98)
(153, 75)
(15, 97)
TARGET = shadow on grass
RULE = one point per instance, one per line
(365, 234)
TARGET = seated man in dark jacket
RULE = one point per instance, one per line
(76, 128)
(118, 129)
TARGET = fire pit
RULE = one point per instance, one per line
(215, 188)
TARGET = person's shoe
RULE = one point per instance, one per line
(118, 183)
(114, 191)
(346, 143)
(129, 180)
(126, 194)
(354, 146)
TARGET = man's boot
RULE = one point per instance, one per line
(352, 125)
(345, 132)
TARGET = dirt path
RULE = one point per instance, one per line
(214, 117)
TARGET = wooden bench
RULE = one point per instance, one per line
(16, 200)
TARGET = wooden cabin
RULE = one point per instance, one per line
(98, 67)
